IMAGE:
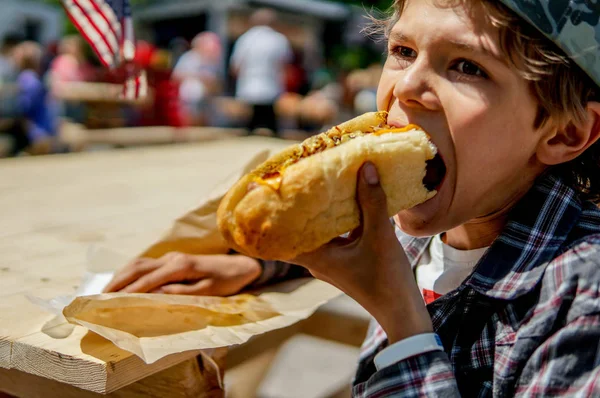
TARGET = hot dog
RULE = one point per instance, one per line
(304, 196)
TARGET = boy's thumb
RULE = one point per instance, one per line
(371, 197)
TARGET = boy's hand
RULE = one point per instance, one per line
(179, 273)
(371, 266)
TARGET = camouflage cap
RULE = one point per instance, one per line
(572, 24)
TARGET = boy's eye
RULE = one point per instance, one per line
(403, 52)
(407, 52)
(469, 68)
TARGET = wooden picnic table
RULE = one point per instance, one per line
(52, 209)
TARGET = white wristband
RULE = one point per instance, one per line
(408, 347)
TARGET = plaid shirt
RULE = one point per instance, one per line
(526, 322)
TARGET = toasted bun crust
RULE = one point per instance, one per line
(316, 199)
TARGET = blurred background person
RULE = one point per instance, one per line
(13, 137)
(69, 66)
(362, 87)
(320, 108)
(8, 70)
(162, 106)
(197, 72)
(177, 47)
(50, 53)
(34, 102)
(166, 108)
(258, 62)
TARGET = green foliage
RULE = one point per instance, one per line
(68, 27)
(379, 4)
(57, 2)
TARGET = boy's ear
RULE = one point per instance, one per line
(566, 143)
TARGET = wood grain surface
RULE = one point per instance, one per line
(54, 208)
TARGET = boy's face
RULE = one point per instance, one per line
(447, 73)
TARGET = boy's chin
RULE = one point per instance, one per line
(418, 222)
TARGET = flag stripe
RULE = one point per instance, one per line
(99, 25)
(102, 22)
(108, 27)
(110, 16)
(91, 36)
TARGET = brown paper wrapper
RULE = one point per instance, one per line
(153, 326)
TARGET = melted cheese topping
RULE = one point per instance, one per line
(404, 129)
(273, 180)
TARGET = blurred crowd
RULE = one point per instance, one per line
(258, 84)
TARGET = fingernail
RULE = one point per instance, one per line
(370, 174)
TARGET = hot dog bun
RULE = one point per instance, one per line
(294, 203)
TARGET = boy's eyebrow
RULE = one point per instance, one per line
(468, 47)
(398, 36)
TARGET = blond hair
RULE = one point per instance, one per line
(560, 87)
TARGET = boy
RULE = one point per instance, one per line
(515, 255)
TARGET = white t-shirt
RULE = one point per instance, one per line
(443, 268)
(260, 56)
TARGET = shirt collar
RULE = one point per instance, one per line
(537, 231)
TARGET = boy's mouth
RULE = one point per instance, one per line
(435, 168)
(436, 171)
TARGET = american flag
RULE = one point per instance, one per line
(108, 27)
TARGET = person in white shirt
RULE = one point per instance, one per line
(258, 62)
(197, 70)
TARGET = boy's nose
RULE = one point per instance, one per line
(414, 88)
